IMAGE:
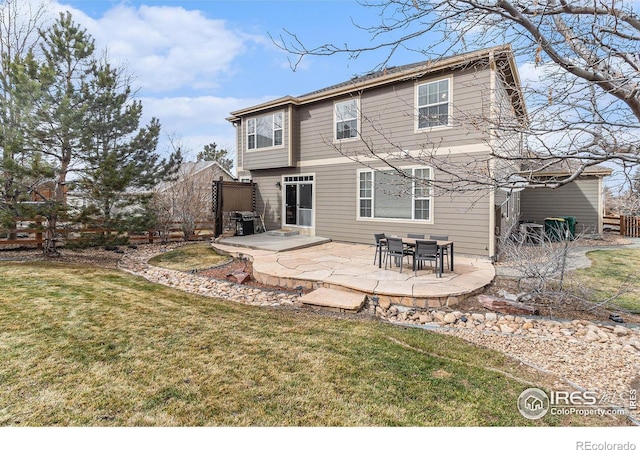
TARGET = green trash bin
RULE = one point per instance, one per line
(570, 223)
(554, 228)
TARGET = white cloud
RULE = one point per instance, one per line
(167, 48)
(177, 59)
(529, 73)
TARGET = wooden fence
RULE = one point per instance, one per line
(628, 226)
(30, 233)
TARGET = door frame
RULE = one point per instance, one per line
(298, 179)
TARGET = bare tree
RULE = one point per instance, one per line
(543, 275)
(187, 198)
(625, 201)
(161, 208)
(584, 106)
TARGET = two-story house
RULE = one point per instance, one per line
(344, 162)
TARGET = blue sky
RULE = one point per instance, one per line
(195, 61)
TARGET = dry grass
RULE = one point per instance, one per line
(93, 347)
(613, 272)
(189, 257)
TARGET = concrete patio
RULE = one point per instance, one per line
(315, 263)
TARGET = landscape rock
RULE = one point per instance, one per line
(506, 306)
(506, 329)
(449, 318)
(591, 336)
(424, 318)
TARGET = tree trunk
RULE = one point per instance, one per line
(49, 248)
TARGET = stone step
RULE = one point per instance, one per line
(334, 299)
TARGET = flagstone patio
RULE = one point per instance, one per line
(291, 262)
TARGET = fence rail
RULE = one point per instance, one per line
(30, 233)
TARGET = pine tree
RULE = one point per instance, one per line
(84, 130)
(210, 152)
(119, 158)
(18, 40)
(60, 113)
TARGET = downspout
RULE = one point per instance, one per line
(492, 192)
(600, 207)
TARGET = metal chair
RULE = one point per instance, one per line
(397, 250)
(380, 246)
(425, 251)
(445, 250)
(415, 236)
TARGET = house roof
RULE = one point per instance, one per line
(501, 56)
(199, 166)
(564, 168)
(194, 168)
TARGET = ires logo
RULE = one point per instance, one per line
(575, 398)
(534, 403)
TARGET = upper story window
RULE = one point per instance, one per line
(346, 119)
(433, 104)
(264, 131)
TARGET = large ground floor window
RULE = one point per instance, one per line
(388, 194)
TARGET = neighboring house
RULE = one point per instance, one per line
(302, 151)
(582, 198)
(192, 188)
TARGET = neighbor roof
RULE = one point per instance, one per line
(564, 168)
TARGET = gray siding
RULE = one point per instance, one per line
(270, 157)
(464, 217)
(388, 114)
(269, 198)
(579, 199)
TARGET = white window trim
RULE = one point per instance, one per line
(335, 121)
(429, 221)
(416, 119)
(256, 149)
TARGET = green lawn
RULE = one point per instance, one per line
(85, 346)
(614, 271)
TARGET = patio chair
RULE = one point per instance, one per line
(425, 251)
(415, 236)
(396, 250)
(380, 246)
(445, 250)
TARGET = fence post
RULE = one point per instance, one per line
(216, 206)
(622, 223)
(39, 233)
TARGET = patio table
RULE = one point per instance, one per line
(411, 242)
